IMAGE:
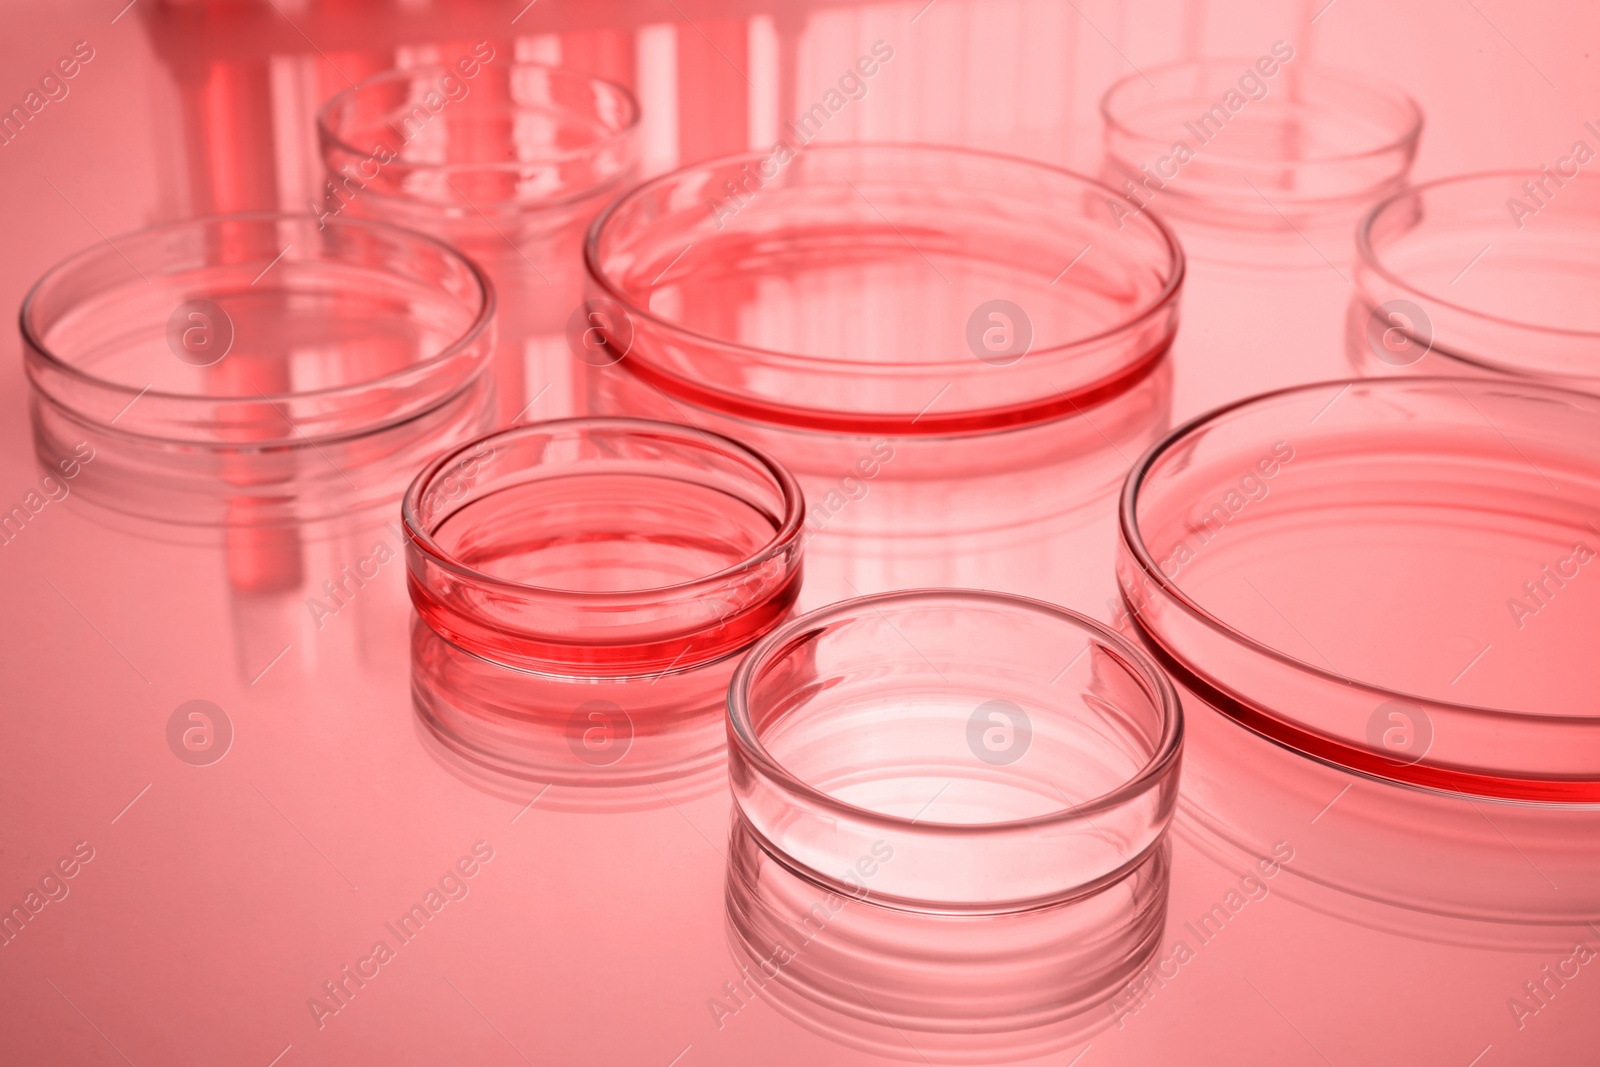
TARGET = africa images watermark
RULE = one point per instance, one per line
(338, 992)
(1252, 487)
(53, 88)
(53, 889)
(449, 89)
(739, 995)
(54, 489)
(800, 132)
(1541, 191)
(1207, 928)
(1253, 85)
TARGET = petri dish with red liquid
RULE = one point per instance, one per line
(507, 161)
(950, 348)
(954, 751)
(1392, 580)
(1482, 274)
(600, 576)
(259, 369)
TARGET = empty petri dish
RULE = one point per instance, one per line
(1008, 753)
(258, 367)
(1264, 166)
(508, 162)
(1258, 145)
(1391, 575)
(1490, 274)
(934, 340)
(587, 585)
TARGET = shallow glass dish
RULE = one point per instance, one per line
(258, 358)
(1260, 144)
(583, 589)
(881, 289)
(1490, 274)
(954, 751)
(1392, 576)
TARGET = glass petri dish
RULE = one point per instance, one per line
(507, 161)
(880, 290)
(1261, 145)
(259, 358)
(583, 588)
(1007, 753)
(1482, 274)
(1385, 575)
(510, 137)
(603, 546)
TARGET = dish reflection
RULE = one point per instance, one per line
(934, 987)
(597, 744)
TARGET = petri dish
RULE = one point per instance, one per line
(511, 137)
(507, 161)
(934, 340)
(1482, 274)
(602, 546)
(583, 588)
(1388, 575)
(1261, 145)
(1008, 753)
(257, 366)
(880, 290)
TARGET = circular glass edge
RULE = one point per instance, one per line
(1395, 94)
(782, 540)
(1150, 569)
(1176, 266)
(486, 313)
(1158, 687)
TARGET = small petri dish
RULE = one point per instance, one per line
(1270, 144)
(507, 161)
(874, 290)
(1482, 274)
(509, 137)
(584, 548)
(1388, 575)
(258, 358)
(1006, 752)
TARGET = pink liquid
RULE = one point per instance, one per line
(605, 532)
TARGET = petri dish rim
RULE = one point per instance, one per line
(1176, 266)
(783, 539)
(1369, 257)
(1150, 569)
(480, 323)
(1411, 130)
(332, 139)
(1152, 679)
